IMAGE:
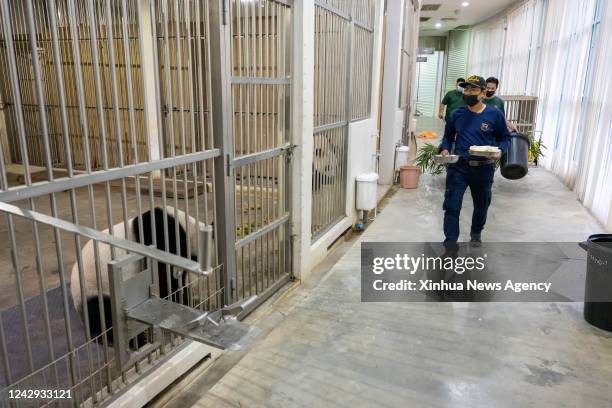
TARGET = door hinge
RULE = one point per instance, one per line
(228, 160)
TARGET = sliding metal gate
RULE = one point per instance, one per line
(260, 86)
(112, 108)
(344, 35)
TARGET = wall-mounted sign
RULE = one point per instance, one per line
(421, 59)
(426, 50)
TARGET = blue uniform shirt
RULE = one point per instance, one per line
(487, 128)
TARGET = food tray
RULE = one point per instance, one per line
(490, 152)
(451, 158)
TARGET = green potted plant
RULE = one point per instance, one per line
(425, 160)
(536, 149)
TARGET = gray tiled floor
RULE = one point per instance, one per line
(326, 348)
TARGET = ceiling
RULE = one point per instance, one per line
(477, 11)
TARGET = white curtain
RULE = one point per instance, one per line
(560, 51)
(486, 48)
(594, 178)
(523, 39)
(565, 57)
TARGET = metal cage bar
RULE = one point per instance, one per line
(108, 117)
(521, 111)
(260, 83)
(344, 41)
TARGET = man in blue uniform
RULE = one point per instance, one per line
(476, 124)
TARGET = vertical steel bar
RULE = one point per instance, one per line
(169, 101)
(268, 144)
(179, 71)
(214, 177)
(145, 96)
(125, 36)
(87, 157)
(192, 122)
(203, 111)
(116, 105)
(259, 142)
(251, 123)
(160, 125)
(287, 164)
(99, 101)
(90, 17)
(221, 68)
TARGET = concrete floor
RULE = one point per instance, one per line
(320, 346)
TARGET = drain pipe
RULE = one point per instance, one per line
(397, 144)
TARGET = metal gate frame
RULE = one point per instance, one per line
(356, 18)
(221, 153)
(223, 85)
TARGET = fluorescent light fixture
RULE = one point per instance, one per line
(438, 25)
(465, 4)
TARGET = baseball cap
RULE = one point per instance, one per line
(474, 80)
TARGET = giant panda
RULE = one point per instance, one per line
(326, 157)
(90, 284)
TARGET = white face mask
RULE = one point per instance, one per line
(460, 89)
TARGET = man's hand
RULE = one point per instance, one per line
(440, 115)
(444, 152)
(511, 126)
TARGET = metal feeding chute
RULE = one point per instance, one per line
(136, 307)
(134, 294)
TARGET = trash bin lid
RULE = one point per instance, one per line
(522, 136)
(367, 177)
(603, 242)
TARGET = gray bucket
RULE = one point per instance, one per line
(514, 162)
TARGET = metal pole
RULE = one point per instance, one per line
(222, 109)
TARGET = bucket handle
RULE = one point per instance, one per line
(584, 245)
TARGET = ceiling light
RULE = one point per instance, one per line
(465, 4)
(438, 25)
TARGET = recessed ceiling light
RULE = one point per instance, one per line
(438, 25)
(465, 4)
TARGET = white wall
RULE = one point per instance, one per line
(302, 125)
(390, 133)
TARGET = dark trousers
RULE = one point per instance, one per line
(458, 177)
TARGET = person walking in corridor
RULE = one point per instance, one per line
(490, 98)
(452, 100)
(474, 125)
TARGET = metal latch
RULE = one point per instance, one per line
(221, 315)
(290, 149)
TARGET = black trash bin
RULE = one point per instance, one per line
(514, 162)
(598, 285)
